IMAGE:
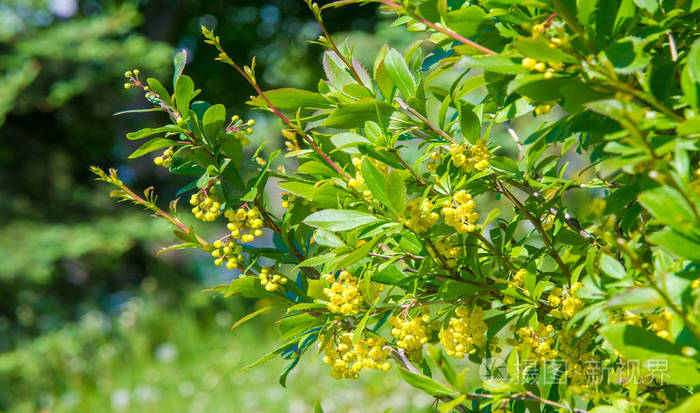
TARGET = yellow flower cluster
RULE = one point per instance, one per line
(574, 350)
(459, 212)
(271, 282)
(290, 139)
(517, 283)
(434, 162)
(543, 109)
(133, 77)
(165, 160)
(229, 252)
(420, 215)
(660, 323)
(348, 359)
(244, 224)
(539, 341)
(411, 334)
(465, 333)
(151, 96)
(695, 284)
(343, 294)
(474, 158)
(533, 65)
(518, 280)
(240, 129)
(287, 199)
(448, 248)
(564, 303)
(355, 182)
(206, 205)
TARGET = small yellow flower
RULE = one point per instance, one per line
(348, 359)
(411, 334)
(465, 333)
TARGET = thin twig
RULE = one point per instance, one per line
(672, 46)
(538, 226)
(406, 108)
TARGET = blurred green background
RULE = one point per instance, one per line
(90, 319)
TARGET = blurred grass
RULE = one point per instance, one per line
(158, 358)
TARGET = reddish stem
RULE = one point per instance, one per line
(448, 32)
(285, 119)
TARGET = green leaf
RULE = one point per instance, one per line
(677, 243)
(336, 71)
(389, 275)
(694, 61)
(652, 6)
(356, 255)
(451, 289)
(668, 206)
(496, 64)
(576, 93)
(606, 409)
(375, 181)
(396, 190)
(252, 315)
(146, 132)
(213, 120)
(339, 219)
(248, 287)
(466, 20)
(316, 168)
(469, 123)
(327, 239)
(538, 88)
(447, 407)
(690, 127)
(124, 112)
(150, 146)
(293, 326)
(159, 89)
(290, 99)
(381, 75)
(636, 343)
(428, 385)
(612, 267)
(179, 61)
(184, 92)
(374, 133)
(348, 141)
(690, 76)
(267, 357)
(400, 74)
(354, 115)
(316, 260)
(689, 404)
(302, 189)
(584, 11)
(627, 55)
(637, 297)
(540, 50)
(625, 15)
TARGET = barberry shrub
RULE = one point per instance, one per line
(557, 271)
